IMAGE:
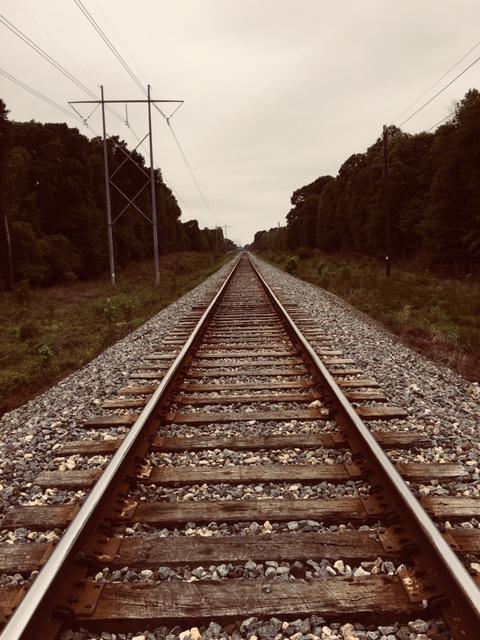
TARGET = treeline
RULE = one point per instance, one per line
(433, 195)
(52, 206)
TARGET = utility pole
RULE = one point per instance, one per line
(386, 201)
(225, 236)
(107, 194)
(152, 193)
(128, 157)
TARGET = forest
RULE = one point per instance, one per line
(432, 194)
(52, 207)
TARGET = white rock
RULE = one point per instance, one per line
(348, 632)
(146, 573)
(339, 566)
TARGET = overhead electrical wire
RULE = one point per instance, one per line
(54, 63)
(109, 43)
(7, 23)
(33, 91)
(439, 92)
(122, 42)
(33, 19)
(20, 34)
(114, 50)
(440, 121)
(437, 82)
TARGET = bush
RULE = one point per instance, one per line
(45, 353)
(292, 264)
(127, 305)
(119, 308)
(111, 310)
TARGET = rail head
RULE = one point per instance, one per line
(457, 583)
(33, 606)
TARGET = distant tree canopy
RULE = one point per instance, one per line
(434, 199)
(52, 206)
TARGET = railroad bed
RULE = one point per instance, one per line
(238, 485)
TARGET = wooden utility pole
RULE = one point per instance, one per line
(225, 237)
(9, 256)
(386, 201)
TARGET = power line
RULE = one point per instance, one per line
(122, 42)
(7, 23)
(437, 82)
(439, 92)
(85, 71)
(109, 43)
(46, 56)
(440, 121)
(114, 50)
(33, 91)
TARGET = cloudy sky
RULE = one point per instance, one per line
(277, 92)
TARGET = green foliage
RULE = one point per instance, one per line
(292, 264)
(45, 353)
(111, 310)
(65, 326)
(120, 308)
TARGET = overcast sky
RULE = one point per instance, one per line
(277, 92)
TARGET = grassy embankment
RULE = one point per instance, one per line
(438, 317)
(47, 333)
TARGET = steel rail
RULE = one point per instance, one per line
(456, 582)
(32, 606)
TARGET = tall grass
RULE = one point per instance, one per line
(47, 333)
(439, 317)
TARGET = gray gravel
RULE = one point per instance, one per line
(311, 628)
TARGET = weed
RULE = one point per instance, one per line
(110, 310)
(45, 353)
(82, 319)
(438, 316)
(292, 264)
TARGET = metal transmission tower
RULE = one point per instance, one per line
(109, 182)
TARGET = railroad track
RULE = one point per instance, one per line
(227, 449)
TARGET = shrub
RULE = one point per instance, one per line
(45, 353)
(292, 264)
(110, 310)
(127, 304)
